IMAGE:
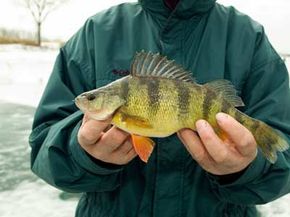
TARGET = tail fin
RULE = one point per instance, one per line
(268, 140)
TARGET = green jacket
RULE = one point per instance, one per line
(210, 40)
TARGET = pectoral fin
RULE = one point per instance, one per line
(143, 146)
(132, 120)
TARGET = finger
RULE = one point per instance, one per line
(125, 147)
(91, 130)
(212, 143)
(242, 138)
(130, 155)
(193, 144)
(121, 158)
(87, 118)
(112, 139)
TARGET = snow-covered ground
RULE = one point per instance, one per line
(35, 199)
(23, 74)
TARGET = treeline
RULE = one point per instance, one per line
(39, 10)
(10, 36)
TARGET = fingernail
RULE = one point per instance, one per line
(220, 117)
(201, 124)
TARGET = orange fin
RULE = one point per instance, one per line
(143, 146)
(223, 136)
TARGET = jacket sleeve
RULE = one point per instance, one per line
(267, 97)
(56, 156)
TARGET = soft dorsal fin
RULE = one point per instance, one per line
(147, 64)
(227, 90)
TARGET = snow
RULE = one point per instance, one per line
(60, 23)
(24, 72)
(23, 75)
(35, 199)
(277, 208)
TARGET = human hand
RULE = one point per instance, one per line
(215, 155)
(113, 146)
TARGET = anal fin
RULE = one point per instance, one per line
(143, 146)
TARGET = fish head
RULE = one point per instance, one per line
(99, 104)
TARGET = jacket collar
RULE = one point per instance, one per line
(185, 8)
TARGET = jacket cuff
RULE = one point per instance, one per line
(251, 173)
(85, 161)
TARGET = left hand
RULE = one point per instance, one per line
(215, 155)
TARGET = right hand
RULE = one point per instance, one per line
(113, 146)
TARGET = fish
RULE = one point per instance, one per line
(159, 97)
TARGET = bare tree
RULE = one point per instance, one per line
(40, 9)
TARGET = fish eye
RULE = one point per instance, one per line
(91, 97)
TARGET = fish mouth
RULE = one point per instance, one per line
(81, 103)
(96, 114)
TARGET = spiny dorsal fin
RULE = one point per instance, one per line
(147, 64)
(227, 90)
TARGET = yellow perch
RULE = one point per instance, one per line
(159, 98)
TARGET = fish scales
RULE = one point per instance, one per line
(153, 94)
(183, 100)
(154, 102)
(159, 98)
(124, 89)
(164, 102)
(213, 104)
(208, 103)
(138, 103)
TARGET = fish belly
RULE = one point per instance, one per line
(144, 127)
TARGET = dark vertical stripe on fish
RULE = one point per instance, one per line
(207, 102)
(125, 89)
(183, 99)
(226, 106)
(238, 116)
(153, 88)
(142, 81)
(255, 125)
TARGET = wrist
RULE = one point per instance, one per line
(103, 164)
(228, 178)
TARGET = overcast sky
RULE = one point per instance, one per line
(273, 14)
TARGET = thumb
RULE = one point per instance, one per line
(90, 130)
